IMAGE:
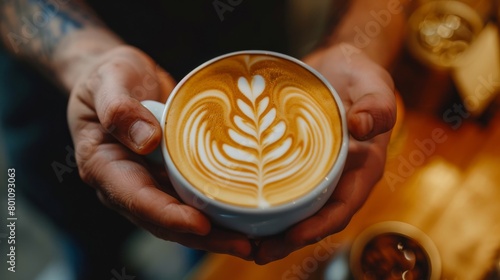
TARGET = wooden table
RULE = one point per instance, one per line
(442, 176)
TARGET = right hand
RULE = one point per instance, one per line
(367, 92)
(111, 130)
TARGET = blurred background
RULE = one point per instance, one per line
(434, 213)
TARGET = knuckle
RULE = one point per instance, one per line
(385, 116)
(344, 222)
(389, 116)
(116, 112)
(179, 220)
(87, 173)
(111, 198)
(93, 82)
(128, 202)
(85, 151)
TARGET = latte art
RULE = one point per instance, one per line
(253, 131)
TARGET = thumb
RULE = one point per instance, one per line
(132, 124)
(371, 114)
(120, 111)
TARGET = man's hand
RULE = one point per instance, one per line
(111, 129)
(367, 92)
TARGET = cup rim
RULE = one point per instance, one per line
(322, 187)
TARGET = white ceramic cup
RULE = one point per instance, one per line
(254, 222)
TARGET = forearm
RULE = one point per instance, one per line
(375, 27)
(60, 37)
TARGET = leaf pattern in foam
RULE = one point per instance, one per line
(258, 129)
(263, 105)
(258, 151)
(254, 90)
(277, 132)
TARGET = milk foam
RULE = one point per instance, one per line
(257, 144)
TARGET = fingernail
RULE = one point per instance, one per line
(140, 132)
(365, 124)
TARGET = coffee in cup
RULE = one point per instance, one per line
(253, 130)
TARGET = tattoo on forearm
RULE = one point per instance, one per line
(33, 28)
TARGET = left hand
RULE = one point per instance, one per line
(103, 111)
(367, 91)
